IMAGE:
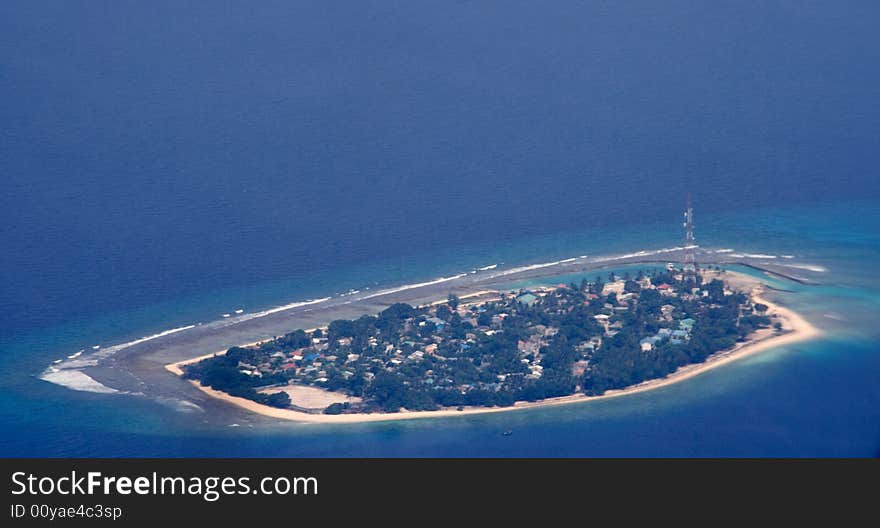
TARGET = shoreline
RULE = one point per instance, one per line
(137, 366)
(175, 369)
(795, 329)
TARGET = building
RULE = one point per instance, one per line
(647, 344)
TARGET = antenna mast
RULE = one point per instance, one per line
(689, 265)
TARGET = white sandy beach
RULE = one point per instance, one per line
(795, 329)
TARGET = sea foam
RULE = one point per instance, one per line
(76, 380)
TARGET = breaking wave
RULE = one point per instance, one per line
(753, 255)
(66, 371)
(808, 267)
(277, 309)
(411, 286)
(76, 380)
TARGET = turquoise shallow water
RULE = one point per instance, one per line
(165, 162)
(820, 398)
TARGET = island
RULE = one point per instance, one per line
(491, 351)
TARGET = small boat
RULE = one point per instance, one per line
(57, 361)
(239, 311)
(507, 433)
(227, 315)
(96, 347)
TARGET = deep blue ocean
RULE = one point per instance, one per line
(163, 162)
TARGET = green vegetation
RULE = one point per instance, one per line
(526, 345)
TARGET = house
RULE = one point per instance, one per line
(586, 346)
(646, 345)
(665, 289)
(686, 324)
